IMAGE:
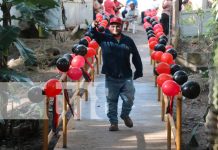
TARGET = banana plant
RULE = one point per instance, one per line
(31, 11)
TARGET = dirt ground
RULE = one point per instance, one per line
(193, 110)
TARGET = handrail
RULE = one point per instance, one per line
(47, 136)
(172, 127)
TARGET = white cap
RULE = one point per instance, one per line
(131, 2)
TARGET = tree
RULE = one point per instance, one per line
(32, 11)
(211, 118)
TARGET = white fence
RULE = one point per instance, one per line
(194, 23)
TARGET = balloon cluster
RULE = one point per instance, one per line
(170, 76)
(73, 63)
(102, 21)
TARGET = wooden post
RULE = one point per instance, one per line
(78, 102)
(99, 56)
(64, 115)
(168, 134)
(150, 56)
(155, 77)
(97, 64)
(158, 94)
(162, 107)
(178, 121)
(45, 125)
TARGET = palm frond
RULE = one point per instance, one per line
(26, 53)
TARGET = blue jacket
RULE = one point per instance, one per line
(116, 55)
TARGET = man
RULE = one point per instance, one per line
(131, 16)
(109, 8)
(124, 12)
(116, 50)
(165, 15)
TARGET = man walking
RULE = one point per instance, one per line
(116, 51)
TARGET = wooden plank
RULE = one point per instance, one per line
(178, 121)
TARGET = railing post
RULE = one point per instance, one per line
(45, 125)
(162, 106)
(178, 121)
(64, 114)
(168, 134)
(158, 94)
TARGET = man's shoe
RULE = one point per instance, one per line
(128, 121)
(113, 127)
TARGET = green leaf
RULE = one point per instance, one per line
(7, 36)
(45, 4)
(13, 75)
(26, 53)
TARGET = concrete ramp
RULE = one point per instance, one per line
(148, 133)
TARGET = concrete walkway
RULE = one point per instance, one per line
(148, 133)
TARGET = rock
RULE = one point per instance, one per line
(53, 51)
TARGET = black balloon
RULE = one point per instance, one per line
(63, 64)
(163, 37)
(180, 77)
(174, 68)
(191, 89)
(148, 29)
(152, 20)
(74, 48)
(35, 94)
(84, 42)
(68, 57)
(89, 34)
(154, 23)
(150, 35)
(150, 32)
(101, 29)
(148, 18)
(81, 50)
(173, 52)
(160, 47)
(162, 41)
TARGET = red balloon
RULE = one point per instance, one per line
(162, 78)
(152, 39)
(167, 58)
(159, 34)
(99, 17)
(153, 55)
(158, 55)
(157, 30)
(157, 26)
(88, 38)
(146, 24)
(168, 47)
(163, 68)
(74, 73)
(152, 44)
(93, 44)
(155, 17)
(170, 88)
(153, 13)
(52, 87)
(78, 61)
(90, 52)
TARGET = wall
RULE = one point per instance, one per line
(77, 12)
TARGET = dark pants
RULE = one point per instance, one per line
(164, 20)
(124, 12)
(142, 16)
